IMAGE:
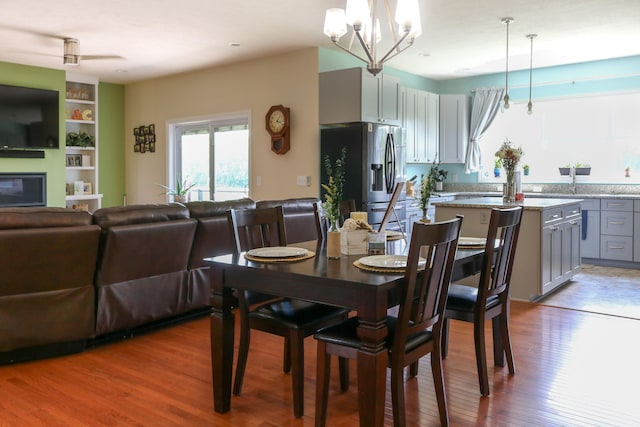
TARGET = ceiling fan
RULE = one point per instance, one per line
(72, 55)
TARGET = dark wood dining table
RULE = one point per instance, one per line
(319, 279)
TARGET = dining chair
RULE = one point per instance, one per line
(490, 299)
(322, 224)
(289, 318)
(415, 332)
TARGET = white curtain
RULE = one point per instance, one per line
(486, 104)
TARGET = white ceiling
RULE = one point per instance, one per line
(158, 37)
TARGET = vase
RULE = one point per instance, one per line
(180, 199)
(509, 188)
(425, 217)
(333, 240)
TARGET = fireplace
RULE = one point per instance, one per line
(23, 189)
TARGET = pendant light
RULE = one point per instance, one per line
(506, 21)
(530, 105)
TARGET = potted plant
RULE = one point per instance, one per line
(428, 186)
(582, 169)
(180, 192)
(526, 169)
(565, 170)
(497, 166)
(332, 199)
(441, 175)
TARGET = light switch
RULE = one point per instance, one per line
(303, 181)
(259, 180)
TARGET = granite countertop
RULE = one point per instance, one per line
(496, 202)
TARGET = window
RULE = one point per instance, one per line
(213, 155)
(601, 131)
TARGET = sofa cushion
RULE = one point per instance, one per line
(210, 208)
(42, 217)
(139, 214)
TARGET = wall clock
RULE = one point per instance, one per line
(277, 122)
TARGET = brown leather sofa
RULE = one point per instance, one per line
(47, 298)
(72, 279)
(142, 274)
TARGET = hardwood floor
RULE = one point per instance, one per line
(573, 369)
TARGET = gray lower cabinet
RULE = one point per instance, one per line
(616, 229)
(561, 236)
(591, 228)
(636, 228)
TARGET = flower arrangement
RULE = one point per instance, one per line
(428, 184)
(510, 157)
(333, 189)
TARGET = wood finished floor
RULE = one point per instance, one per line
(574, 368)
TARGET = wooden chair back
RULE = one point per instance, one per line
(257, 228)
(500, 250)
(425, 295)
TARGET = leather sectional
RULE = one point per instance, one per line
(71, 279)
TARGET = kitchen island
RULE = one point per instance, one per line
(548, 252)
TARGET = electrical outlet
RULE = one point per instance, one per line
(484, 218)
(454, 177)
(259, 180)
(537, 189)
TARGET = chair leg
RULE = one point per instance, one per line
(243, 352)
(296, 352)
(397, 396)
(323, 368)
(343, 364)
(498, 342)
(481, 357)
(444, 346)
(438, 383)
(413, 369)
(506, 343)
(286, 358)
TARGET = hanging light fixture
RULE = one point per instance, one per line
(530, 105)
(366, 28)
(507, 21)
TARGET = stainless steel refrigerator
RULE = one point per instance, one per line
(376, 161)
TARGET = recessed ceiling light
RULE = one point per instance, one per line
(425, 54)
(234, 44)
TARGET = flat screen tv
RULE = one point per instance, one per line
(29, 118)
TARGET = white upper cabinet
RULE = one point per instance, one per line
(455, 115)
(420, 123)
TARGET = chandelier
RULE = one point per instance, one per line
(362, 16)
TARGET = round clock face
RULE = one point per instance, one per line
(276, 121)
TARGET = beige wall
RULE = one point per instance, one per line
(290, 79)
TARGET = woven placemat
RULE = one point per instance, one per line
(394, 237)
(361, 266)
(309, 254)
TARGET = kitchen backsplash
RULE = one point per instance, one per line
(546, 188)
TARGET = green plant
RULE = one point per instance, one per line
(582, 165)
(526, 167)
(428, 184)
(497, 163)
(441, 175)
(333, 189)
(181, 189)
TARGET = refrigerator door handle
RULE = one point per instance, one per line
(390, 163)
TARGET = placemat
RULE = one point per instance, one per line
(377, 270)
(309, 254)
(394, 236)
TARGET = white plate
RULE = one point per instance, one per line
(388, 261)
(277, 252)
(472, 241)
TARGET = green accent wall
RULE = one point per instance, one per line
(54, 160)
(111, 138)
(110, 128)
